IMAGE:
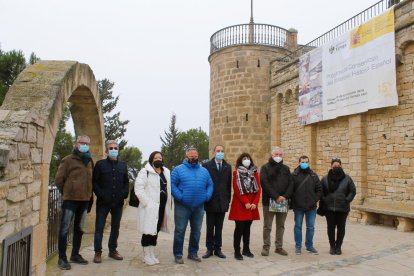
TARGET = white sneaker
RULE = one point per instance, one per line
(147, 256)
(156, 261)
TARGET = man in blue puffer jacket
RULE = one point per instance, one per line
(191, 187)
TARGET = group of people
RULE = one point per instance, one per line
(193, 189)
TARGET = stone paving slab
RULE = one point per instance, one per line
(367, 250)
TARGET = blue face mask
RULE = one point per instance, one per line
(113, 153)
(219, 155)
(304, 166)
(84, 148)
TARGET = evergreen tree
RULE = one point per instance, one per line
(11, 64)
(115, 128)
(171, 148)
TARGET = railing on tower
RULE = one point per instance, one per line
(262, 34)
(346, 26)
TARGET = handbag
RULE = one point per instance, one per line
(321, 209)
(133, 199)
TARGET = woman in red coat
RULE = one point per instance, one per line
(246, 196)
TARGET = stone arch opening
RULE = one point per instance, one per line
(29, 120)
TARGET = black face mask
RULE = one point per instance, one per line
(193, 161)
(158, 164)
(337, 170)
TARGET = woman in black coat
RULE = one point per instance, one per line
(338, 192)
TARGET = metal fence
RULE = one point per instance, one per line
(346, 26)
(17, 254)
(252, 33)
(53, 221)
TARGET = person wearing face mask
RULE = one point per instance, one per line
(153, 189)
(246, 196)
(338, 190)
(74, 181)
(277, 184)
(306, 193)
(218, 205)
(111, 187)
(191, 187)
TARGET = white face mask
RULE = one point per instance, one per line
(277, 159)
(246, 163)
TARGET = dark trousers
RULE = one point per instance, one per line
(336, 220)
(151, 240)
(242, 230)
(102, 211)
(214, 230)
(72, 209)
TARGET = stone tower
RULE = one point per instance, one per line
(240, 58)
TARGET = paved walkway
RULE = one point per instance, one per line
(367, 250)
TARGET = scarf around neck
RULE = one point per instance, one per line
(246, 182)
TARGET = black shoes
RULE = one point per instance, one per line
(208, 254)
(247, 253)
(332, 251)
(219, 254)
(338, 251)
(78, 259)
(238, 256)
(63, 264)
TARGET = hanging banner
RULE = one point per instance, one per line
(351, 74)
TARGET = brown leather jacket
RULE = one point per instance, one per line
(74, 179)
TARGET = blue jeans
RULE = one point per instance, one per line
(102, 212)
(72, 209)
(310, 217)
(182, 215)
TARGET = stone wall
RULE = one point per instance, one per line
(29, 119)
(376, 147)
(240, 99)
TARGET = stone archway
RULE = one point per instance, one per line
(29, 119)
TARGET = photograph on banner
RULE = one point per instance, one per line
(351, 74)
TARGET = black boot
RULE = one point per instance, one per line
(338, 251)
(247, 252)
(332, 251)
(237, 255)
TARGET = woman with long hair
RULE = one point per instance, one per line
(246, 196)
(153, 189)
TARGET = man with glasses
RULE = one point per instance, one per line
(191, 187)
(74, 181)
(111, 186)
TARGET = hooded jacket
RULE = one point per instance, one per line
(191, 184)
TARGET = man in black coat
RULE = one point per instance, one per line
(111, 186)
(306, 194)
(216, 208)
(277, 184)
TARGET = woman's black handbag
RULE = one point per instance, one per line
(321, 209)
(133, 199)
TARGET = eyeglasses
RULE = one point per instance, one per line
(113, 148)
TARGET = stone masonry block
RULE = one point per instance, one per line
(23, 151)
(36, 155)
(17, 194)
(13, 212)
(26, 176)
(31, 134)
(33, 188)
(7, 230)
(3, 208)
